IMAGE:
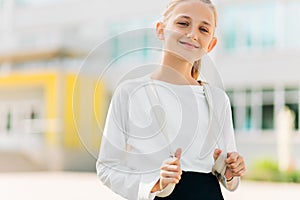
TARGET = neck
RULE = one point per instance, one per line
(175, 70)
(180, 65)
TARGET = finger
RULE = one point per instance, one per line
(217, 153)
(169, 160)
(240, 161)
(232, 157)
(168, 174)
(172, 161)
(172, 168)
(233, 165)
(166, 181)
(178, 153)
(238, 171)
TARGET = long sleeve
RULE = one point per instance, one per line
(228, 137)
(111, 164)
(227, 144)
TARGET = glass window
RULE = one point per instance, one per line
(256, 109)
(131, 38)
(292, 102)
(268, 117)
(291, 95)
(137, 45)
(268, 109)
(130, 46)
(248, 26)
(268, 96)
(242, 116)
(295, 109)
(241, 109)
(248, 123)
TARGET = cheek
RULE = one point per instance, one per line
(206, 42)
(173, 35)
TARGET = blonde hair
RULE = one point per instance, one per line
(196, 65)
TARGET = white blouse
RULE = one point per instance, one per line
(134, 145)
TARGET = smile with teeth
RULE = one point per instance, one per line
(188, 44)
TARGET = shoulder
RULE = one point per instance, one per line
(218, 93)
(130, 85)
(218, 96)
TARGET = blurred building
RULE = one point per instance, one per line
(49, 116)
(258, 57)
(259, 60)
(43, 45)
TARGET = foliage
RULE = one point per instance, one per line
(268, 170)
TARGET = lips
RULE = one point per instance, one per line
(189, 44)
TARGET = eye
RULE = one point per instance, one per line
(183, 23)
(203, 29)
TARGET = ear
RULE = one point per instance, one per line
(212, 44)
(160, 30)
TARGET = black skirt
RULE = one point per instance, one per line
(196, 186)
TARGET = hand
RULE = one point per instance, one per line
(235, 164)
(170, 172)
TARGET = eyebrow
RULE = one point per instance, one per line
(189, 18)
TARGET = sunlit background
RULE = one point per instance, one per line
(51, 115)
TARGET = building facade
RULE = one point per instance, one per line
(257, 57)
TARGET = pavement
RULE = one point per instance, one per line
(85, 186)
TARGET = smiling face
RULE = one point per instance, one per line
(188, 32)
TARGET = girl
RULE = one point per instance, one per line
(194, 124)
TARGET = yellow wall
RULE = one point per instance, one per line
(85, 109)
(100, 109)
(48, 82)
(53, 87)
(71, 139)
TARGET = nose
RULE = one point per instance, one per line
(192, 34)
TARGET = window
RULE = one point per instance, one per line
(248, 123)
(295, 109)
(268, 117)
(292, 102)
(135, 46)
(133, 40)
(247, 26)
(260, 25)
(130, 46)
(241, 109)
(254, 110)
(268, 109)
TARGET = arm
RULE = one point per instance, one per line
(111, 164)
(231, 165)
(170, 175)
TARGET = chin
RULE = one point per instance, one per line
(186, 55)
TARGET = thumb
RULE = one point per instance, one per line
(217, 153)
(178, 153)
